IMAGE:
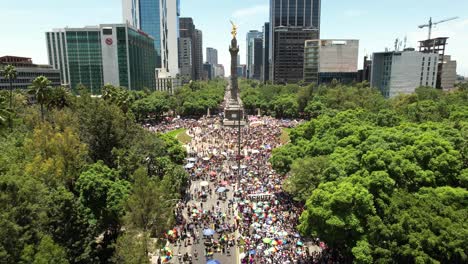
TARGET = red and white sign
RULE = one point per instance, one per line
(109, 41)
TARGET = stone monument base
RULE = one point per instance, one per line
(231, 115)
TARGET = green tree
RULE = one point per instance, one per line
(40, 89)
(306, 175)
(132, 248)
(10, 74)
(148, 210)
(103, 194)
(49, 252)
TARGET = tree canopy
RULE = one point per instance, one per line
(382, 181)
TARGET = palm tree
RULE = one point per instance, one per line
(9, 73)
(40, 89)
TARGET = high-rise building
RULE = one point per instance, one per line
(116, 54)
(212, 56)
(185, 59)
(208, 71)
(26, 72)
(266, 50)
(311, 61)
(330, 59)
(250, 43)
(198, 54)
(447, 69)
(187, 31)
(291, 24)
(257, 58)
(160, 19)
(401, 72)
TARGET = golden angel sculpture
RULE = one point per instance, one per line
(234, 30)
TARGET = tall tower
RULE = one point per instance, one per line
(292, 22)
(198, 54)
(158, 18)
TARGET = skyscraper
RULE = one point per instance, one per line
(158, 18)
(185, 59)
(292, 22)
(212, 56)
(187, 30)
(198, 54)
(93, 56)
(266, 51)
(250, 43)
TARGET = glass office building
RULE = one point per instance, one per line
(292, 22)
(114, 54)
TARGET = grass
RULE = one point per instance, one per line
(284, 138)
(181, 135)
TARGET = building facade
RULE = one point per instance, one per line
(257, 59)
(219, 71)
(185, 59)
(208, 71)
(448, 77)
(265, 73)
(116, 54)
(252, 35)
(160, 19)
(402, 72)
(26, 72)
(326, 60)
(339, 55)
(212, 56)
(198, 54)
(187, 31)
(311, 61)
(291, 24)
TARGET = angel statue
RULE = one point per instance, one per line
(234, 29)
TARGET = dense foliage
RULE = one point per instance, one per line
(294, 100)
(78, 175)
(383, 181)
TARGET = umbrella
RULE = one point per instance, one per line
(212, 173)
(192, 159)
(204, 183)
(213, 261)
(297, 235)
(267, 240)
(223, 183)
(255, 151)
(252, 252)
(235, 167)
(206, 159)
(208, 232)
(189, 166)
(299, 243)
(221, 190)
(224, 154)
(243, 167)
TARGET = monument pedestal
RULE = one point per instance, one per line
(233, 114)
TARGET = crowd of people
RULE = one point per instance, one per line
(237, 201)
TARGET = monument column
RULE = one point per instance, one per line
(234, 50)
(233, 111)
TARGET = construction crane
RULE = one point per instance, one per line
(433, 24)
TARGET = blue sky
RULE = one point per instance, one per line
(376, 23)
